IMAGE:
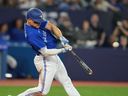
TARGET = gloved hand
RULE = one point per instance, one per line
(66, 48)
(63, 40)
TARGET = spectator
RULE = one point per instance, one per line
(95, 25)
(9, 3)
(12, 3)
(114, 2)
(26, 4)
(17, 33)
(75, 5)
(11, 61)
(51, 16)
(38, 3)
(66, 26)
(4, 32)
(124, 5)
(87, 37)
(1, 3)
(85, 3)
(103, 5)
(49, 5)
(120, 33)
(64, 6)
(118, 15)
(72, 5)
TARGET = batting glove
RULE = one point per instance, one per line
(63, 40)
(67, 48)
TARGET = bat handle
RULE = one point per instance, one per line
(90, 72)
(73, 52)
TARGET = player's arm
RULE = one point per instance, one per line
(53, 28)
(113, 8)
(102, 39)
(49, 52)
(56, 31)
(124, 31)
(41, 47)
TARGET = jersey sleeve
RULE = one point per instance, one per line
(43, 24)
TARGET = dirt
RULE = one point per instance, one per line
(55, 83)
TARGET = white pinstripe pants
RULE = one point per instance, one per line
(51, 67)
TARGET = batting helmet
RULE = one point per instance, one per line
(35, 14)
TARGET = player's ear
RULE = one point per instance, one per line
(29, 20)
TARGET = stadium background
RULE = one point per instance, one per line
(93, 28)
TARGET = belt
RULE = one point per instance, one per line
(38, 54)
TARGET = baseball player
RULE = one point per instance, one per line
(42, 35)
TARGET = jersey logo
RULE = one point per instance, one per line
(45, 36)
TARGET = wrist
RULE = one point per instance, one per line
(63, 40)
(63, 50)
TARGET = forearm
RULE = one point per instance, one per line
(115, 33)
(113, 8)
(102, 39)
(124, 31)
(56, 31)
(59, 35)
(49, 52)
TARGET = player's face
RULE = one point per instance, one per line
(33, 23)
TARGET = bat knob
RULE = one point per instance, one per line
(90, 72)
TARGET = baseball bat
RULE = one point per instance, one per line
(82, 63)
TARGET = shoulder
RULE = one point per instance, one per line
(44, 24)
(29, 29)
(47, 25)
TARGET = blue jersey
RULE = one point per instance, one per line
(40, 37)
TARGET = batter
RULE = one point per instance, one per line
(42, 36)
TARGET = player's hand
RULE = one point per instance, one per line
(119, 23)
(63, 40)
(67, 47)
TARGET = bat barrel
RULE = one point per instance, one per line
(82, 64)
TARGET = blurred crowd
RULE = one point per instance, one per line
(89, 35)
(103, 5)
